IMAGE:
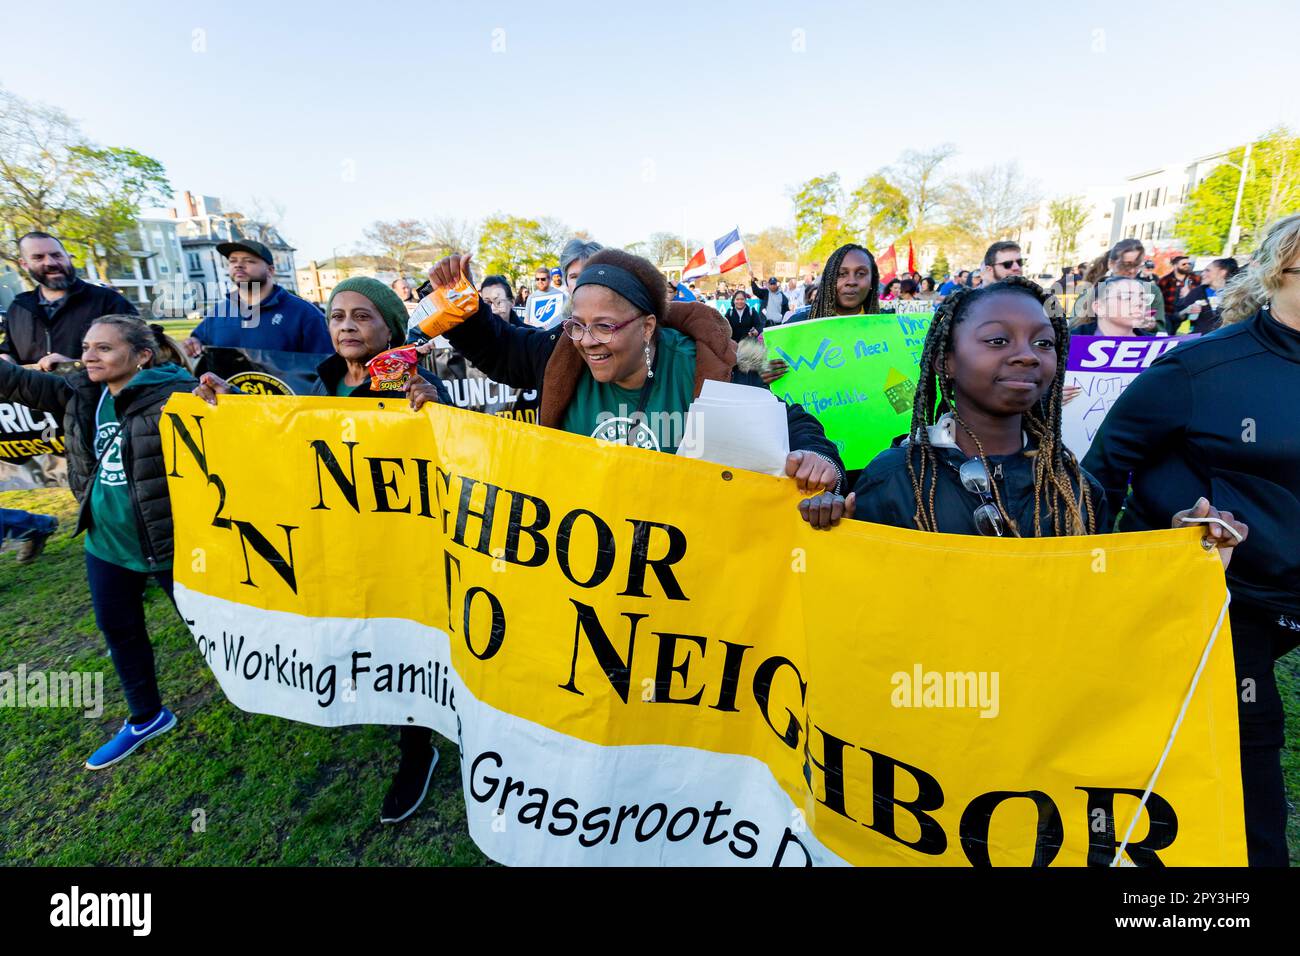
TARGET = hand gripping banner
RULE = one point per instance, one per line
(647, 660)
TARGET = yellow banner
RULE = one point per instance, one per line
(647, 659)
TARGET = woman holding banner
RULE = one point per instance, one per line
(625, 358)
(848, 287)
(986, 455)
(1217, 416)
(110, 415)
(365, 317)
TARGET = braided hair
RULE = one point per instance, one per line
(827, 297)
(1054, 464)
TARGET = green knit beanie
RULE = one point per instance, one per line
(382, 298)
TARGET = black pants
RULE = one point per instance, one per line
(1259, 637)
(415, 741)
(118, 596)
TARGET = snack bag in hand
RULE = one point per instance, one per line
(391, 370)
(445, 309)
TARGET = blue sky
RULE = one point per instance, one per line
(631, 118)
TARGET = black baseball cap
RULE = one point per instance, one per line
(249, 246)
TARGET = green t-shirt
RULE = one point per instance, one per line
(343, 389)
(113, 535)
(606, 411)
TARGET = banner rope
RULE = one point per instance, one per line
(1173, 734)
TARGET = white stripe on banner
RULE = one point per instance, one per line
(533, 796)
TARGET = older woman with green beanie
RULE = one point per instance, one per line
(366, 317)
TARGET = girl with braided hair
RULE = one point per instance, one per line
(985, 454)
(848, 287)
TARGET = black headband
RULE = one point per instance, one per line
(621, 281)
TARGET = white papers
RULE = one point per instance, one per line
(741, 426)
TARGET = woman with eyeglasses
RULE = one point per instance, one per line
(985, 454)
(626, 365)
(1121, 308)
(1217, 416)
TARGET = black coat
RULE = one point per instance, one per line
(1216, 417)
(28, 337)
(742, 323)
(139, 407)
(885, 495)
(517, 357)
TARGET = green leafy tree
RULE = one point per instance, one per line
(1272, 189)
(53, 179)
(821, 222)
(880, 209)
(513, 246)
(1067, 217)
(941, 267)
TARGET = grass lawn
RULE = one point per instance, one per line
(272, 791)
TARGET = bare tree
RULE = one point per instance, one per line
(448, 235)
(991, 203)
(396, 242)
(917, 175)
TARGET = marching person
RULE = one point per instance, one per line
(45, 327)
(1120, 306)
(258, 313)
(772, 302)
(110, 415)
(1200, 310)
(625, 350)
(848, 287)
(365, 318)
(1217, 417)
(744, 319)
(985, 454)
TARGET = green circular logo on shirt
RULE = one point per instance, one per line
(616, 431)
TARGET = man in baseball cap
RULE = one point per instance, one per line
(258, 314)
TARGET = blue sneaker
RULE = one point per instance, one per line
(128, 738)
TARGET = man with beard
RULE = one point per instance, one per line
(258, 313)
(45, 326)
(1181, 280)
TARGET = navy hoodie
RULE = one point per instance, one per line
(1217, 417)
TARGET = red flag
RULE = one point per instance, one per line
(911, 257)
(888, 265)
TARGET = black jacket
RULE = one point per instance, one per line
(742, 323)
(1203, 322)
(1090, 328)
(885, 495)
(763, 295)
(139, 407)
(1216, 417)
(517, 357)
(28, 337)
(331, 371)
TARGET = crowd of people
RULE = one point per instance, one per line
(983, 455)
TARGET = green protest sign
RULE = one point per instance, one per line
(856, 373)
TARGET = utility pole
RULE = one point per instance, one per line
(1234, 233)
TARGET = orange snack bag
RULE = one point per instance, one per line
(445, 309)
(391, 370)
